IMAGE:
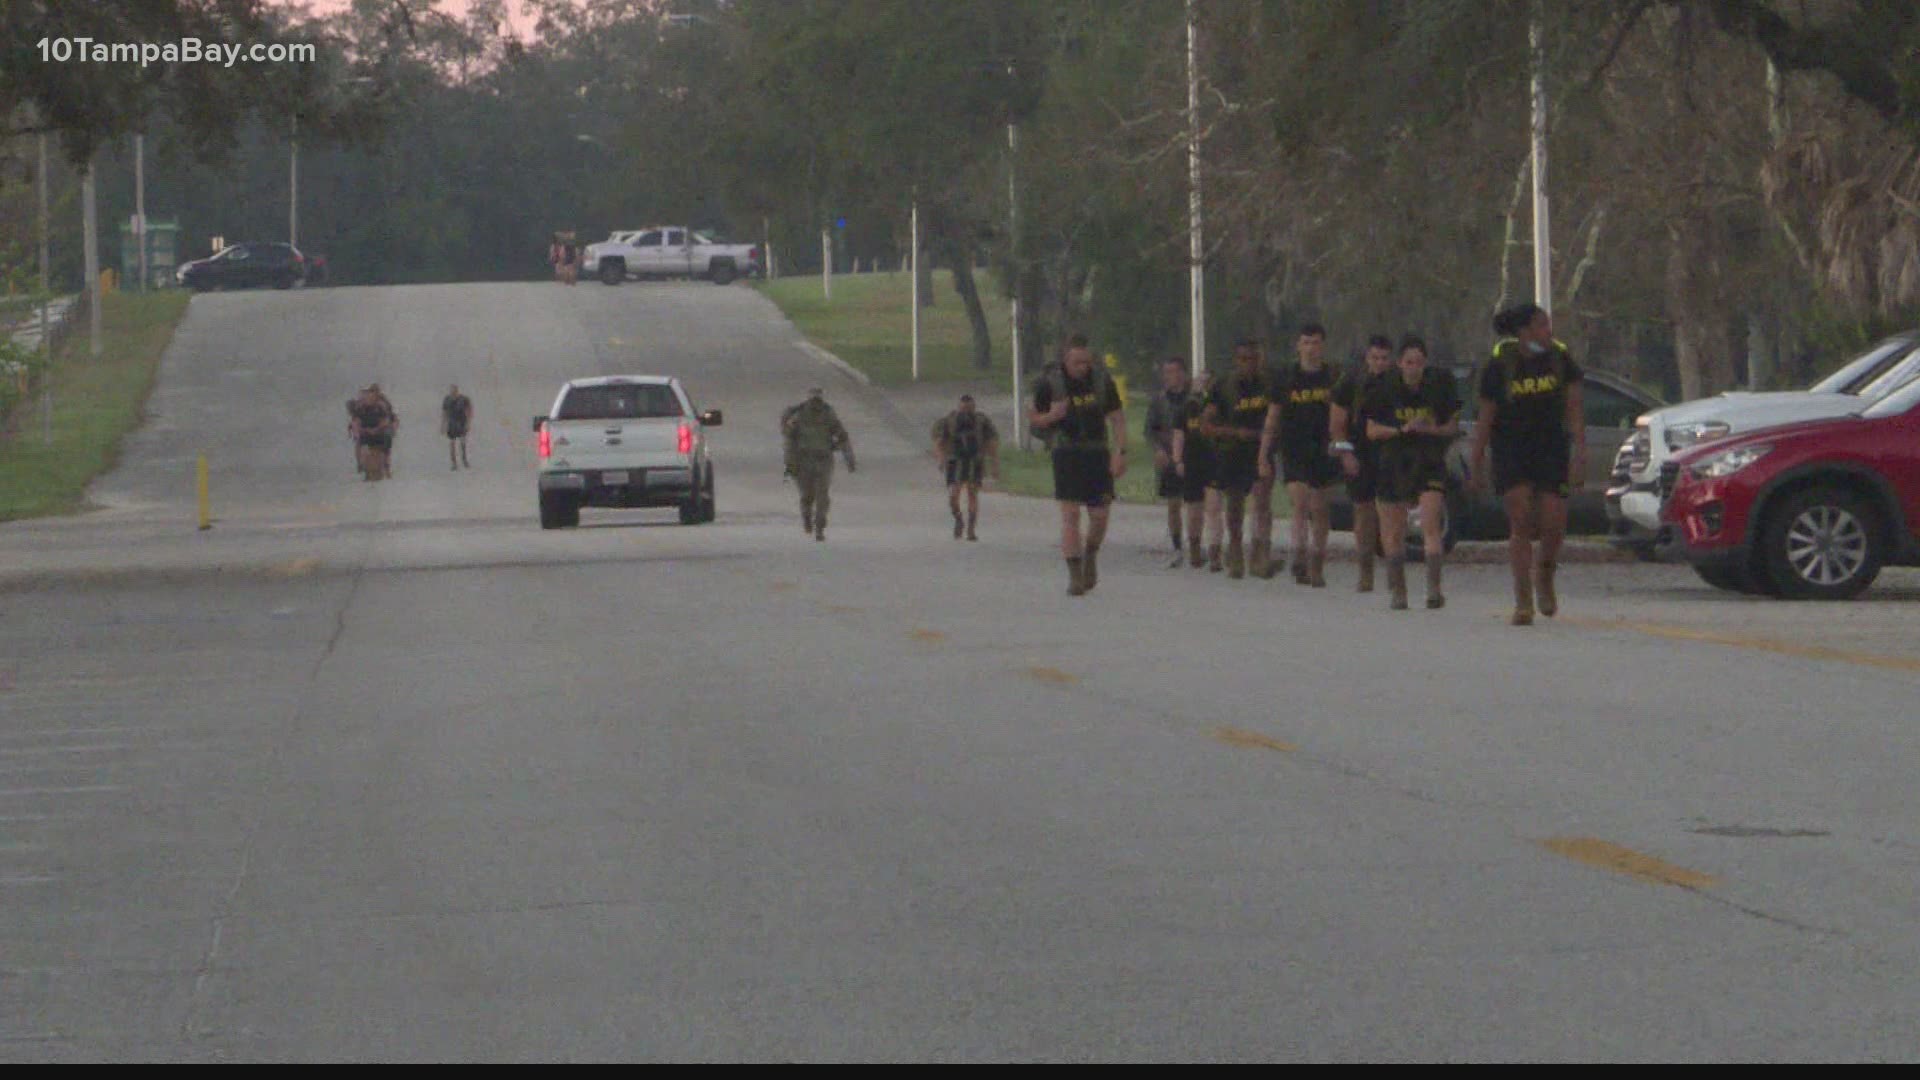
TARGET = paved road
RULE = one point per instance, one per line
(385, 772)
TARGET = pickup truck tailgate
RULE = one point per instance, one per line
(616, 444)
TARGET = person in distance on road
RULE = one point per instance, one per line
(373, 427)
(1164, 417)
(965, 442)
(1357, 455)
(1530, 413)
(1195, 463)
(1297, 426)
(813, 434)
(1412, 415)
(1235, 416)
(456, 417)
(1077, 406)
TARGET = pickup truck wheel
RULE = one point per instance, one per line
(558, 512)
(612, 271)
(692, 511)
(1821, 544)
(722, 272)
(708, 511)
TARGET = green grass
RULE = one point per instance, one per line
(95, 403)
(869, 324)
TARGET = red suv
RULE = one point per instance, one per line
(1810, 511)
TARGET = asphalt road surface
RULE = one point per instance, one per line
(385, 772)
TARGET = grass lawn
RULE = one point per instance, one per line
(95, 404)
(869, 324)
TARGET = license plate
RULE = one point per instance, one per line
(613, 479)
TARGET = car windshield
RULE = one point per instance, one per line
(1899, 401)
(1862, 372)
(1895, 377)
(620, 402)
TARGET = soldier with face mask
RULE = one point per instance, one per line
(814, 433)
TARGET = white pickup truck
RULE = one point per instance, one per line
(624, 441)
(668, 251)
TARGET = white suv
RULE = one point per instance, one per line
(1633, 497)
(624, 441)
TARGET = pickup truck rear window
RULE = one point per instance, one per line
(620, 403)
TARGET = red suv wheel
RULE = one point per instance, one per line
(1824, 543)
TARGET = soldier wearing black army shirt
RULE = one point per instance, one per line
(1196, 462)
(1530, 413)
(1236, 415)
(1413, 415)
(1298, 426)
(1079, 405)
(1356, 454)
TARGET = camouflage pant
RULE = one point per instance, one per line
(813, 473)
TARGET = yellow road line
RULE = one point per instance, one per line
(1742, 641)
(294, 568)
(1620, 860)
(927, 635)
(1249, 740)
(1052, 675)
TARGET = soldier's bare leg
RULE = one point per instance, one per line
(1096, 535)
(953, 506)
(1366, 541)
(1216, 511)
(1071, 548)
(1263, 528)
(973, 510)
(1297, 497)
(1236, 531)
(1320, 502)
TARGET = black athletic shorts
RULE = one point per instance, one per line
(1312, 466)
(1193, 486)
(456, 431)
(1544, 467)
(1407, 472)
(967, 470)
(1167, 482)
(1083, 474)
(1365, 487)
(1237, 467)
(377, 442)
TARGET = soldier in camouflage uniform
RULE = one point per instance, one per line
(813, 434)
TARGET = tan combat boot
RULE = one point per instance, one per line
(1090, 567)
(1076, 578)
(1236, 560)
(1435, 599)
(1317, 570)
(1549, 600)
(1522, 600)
(1261, 564)
(1397, 582)
(1195, 558)
(1366, 570)
(1214, 565)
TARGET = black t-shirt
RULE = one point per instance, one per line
(1391, 402)
(1241, 403)
(966, 434)
(1188, 419)
(1087, 408)
(454, 408)
(1306, 401)
(1350, 393)
(1529, 394)
(371, 414)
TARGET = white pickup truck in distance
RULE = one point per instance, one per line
(668, 251)
(624, 442)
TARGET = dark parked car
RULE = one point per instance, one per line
(244, 266)
(1610, 404)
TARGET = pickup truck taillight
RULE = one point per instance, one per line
(546, 441)
(686, 438)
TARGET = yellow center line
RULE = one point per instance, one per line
(1620, 860)
(1743, 641)
(927, 635)
(1052, 675)
(294, 568)
(1249, 740)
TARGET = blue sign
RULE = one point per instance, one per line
(840, 223)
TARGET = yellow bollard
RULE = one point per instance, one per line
(206, 507)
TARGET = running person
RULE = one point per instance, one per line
(456, 417)
(1298, 426)
(1079, 404)
(1194, 461)
(1235, 416)
(1530, 411)
(1357, 455)
(1413, 415)
(964, 441)
(1163, 420)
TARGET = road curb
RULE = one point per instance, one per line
(833, 361)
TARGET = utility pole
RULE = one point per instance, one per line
(90, 255)
(140, 203)
(46, 329)
(1196, 248)
(913, 282)
(293, 183)
(826, 263)
(1013, 234)
(1542, 247)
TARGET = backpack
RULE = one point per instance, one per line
(963, 436)
(1054, 377)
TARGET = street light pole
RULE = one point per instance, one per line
(1013, 241)
(293, 183)
(90, 255)
(1542, 249)
(46, 330)
(140, 203)
(913, 283)
(1196, 249)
